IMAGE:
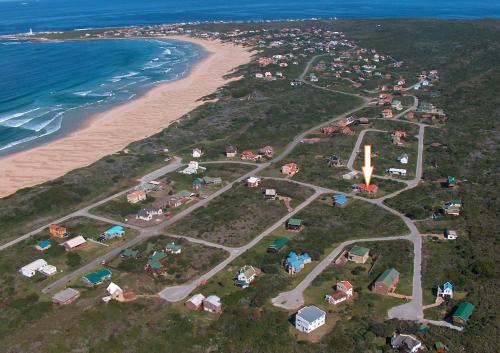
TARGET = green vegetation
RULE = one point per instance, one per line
(194, 260)
(239, 215)
(251, 113)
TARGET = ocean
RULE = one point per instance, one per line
(48, 89)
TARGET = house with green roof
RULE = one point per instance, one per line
(386, 282)
(462, 313)
(129, 253)
(277, 245)
(294, 224)
(173, 248)
(451, 181)
(156, 262)
(96, 278)
(358, 254)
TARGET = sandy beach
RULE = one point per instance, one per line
(110, 131)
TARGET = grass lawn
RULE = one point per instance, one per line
(240, 214)
(194, 260)
(120, 209)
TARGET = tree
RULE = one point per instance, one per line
(73, 259)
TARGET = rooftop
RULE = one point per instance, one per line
(310, 313)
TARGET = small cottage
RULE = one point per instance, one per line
(231, 151)
(386, 282)
(358, 254)
(277, 245)
(462, 313)
(294, 224)
(58, 231)
(253, 182)
(212, 304)
(136, 196)
(290, 169)
(445, 290)
(406, 343)
(74, 243)
(66, 296)
(195, 302)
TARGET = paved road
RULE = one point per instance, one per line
(175, 164)
(144, 232)
(294, 299)
(357, 147)
(177, 293)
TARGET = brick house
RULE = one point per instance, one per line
(386, 282)
(290, 169)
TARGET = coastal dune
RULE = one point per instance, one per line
(111, 131)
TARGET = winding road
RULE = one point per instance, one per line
(292, 299)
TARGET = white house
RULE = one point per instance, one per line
(48, 270)
(246, 275)
(114, 291)
(450, 234)
(192, 168)
(403, 159)
(445, 290)
(196, 153)
(397, 171)
(146, 214)
(351, 175)
(344, 292)
(406, 343)
(309, 318)
(39, 265)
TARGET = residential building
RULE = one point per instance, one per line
(386, 282)
(147, 214)
(111, 233)
(58, 231)
(450, 234)
(74, 243)
(358, 254)
(43, 245)
(403, 158)
(440, 347)
(155, 262)
(212, 304)
(192, 168)
(195, 302)
(129, 253)
(294, 224)
(277, 245)
(115, 291)
(30, 269)
(397, 171)
(340, 200)
(266, 151)
(290, 169)
(48, 270)
(209, 180)
(387, 113)
(295, 263)
(270, 194)
(344, 291)
(249, 156)
(462, 313)
(196, 153)
(362, 187)
(66, 296)
(246, 275)
(231, 151)
(351, 175)
(173, 248)
(445, 290)
(406, 343)
(451, 181)
(309, 318)
(136, 196)
(96, 278)
(253, 182)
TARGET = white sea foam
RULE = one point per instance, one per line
(16, 115)
(121, 77)
(82, 93)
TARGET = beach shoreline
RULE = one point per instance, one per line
(112, 130)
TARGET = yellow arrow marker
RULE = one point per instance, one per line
(367, 168)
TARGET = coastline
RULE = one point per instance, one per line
(112, 130)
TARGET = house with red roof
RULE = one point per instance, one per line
(290, 169)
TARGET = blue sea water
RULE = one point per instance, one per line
(46, 89)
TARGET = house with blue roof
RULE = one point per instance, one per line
(43, 245)
(295, 263)
(340, 200)
(113, 232)
(445, 290)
